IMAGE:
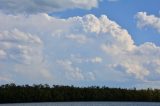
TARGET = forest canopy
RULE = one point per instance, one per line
(11, 93)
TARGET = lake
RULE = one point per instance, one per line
(85, 104)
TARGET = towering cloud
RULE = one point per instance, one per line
(79, 48)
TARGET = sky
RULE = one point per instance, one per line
(114, 43)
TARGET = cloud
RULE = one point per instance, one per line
(2, 54)
(145, 20)
(80, 59)
(96, 60)
(24, 50)
(47, 6)
(78, 38)
(73, 73)
(19, 46)
(87, 48)
(138, 61)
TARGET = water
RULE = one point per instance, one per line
(85, 104)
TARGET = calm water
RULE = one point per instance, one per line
(86, 104)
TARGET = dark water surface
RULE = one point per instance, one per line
(86, 104)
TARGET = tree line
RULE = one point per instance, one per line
(11, 93)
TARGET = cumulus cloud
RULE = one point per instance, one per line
(19, 46)
(145, 20)
(137, 62)
(80, 59)
(78, 38)
(81, 48)
(47, 6)
(73, 73)
(24, 50)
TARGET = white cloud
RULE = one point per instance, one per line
(47, 6)
(145, 20)
(25, 51)
(73, 73)
(137, 61)
(16, 35)
(96, 60)
(78, 38)
(36, 42)
(81, 59)
(2, 54)
(19, 46)
(90, 23)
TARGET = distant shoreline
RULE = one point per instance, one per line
(83, 102)
(11, 93)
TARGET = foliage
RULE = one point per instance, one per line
(11, 93)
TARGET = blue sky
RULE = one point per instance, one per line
(115, 43)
